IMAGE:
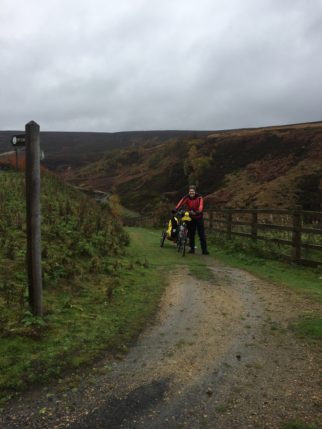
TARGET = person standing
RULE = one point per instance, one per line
(194, 203)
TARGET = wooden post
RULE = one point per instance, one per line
(33, 218)
(254, 225)
(229, 218)
(296, 236)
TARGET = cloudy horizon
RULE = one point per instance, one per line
(123, 65)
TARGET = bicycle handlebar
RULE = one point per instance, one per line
(181, 212)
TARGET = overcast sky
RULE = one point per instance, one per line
(116, 65)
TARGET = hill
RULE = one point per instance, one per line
(265, 167)
(82, 247)
(77, 237)
(75, 149)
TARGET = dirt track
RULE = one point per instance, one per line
(218, 355)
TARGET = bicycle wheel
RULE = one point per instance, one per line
(179, 244)
(179, 240)
(163, 237)
(184, 241)
(183, 248)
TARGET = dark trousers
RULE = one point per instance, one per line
(197, 224)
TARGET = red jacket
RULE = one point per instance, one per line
(195, 204)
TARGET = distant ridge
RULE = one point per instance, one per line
(79, 148)
(75, 149)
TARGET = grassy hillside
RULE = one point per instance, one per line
(267, 167)
(81, 246)
(64, 149)
(279, 167)
(98, 292)
(77, 236)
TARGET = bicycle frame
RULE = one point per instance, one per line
(183, 237)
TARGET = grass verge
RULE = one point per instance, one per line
(306, 281)
(309, 327)
(103, 312)
(302, 279)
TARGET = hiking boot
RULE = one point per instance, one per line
(205, 252)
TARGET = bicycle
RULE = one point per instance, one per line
(183, 235)
(170, 231)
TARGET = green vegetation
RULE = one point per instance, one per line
(98, 293)
(269, 247)
(201, 271)
(82, 247)
(77, 236)
(309, 327)
(253, 258)
(277, 167)
(303, 280)
(167, 258)
(197, 163)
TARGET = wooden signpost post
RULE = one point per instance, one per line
(31, 141)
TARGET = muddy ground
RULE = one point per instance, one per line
(219, 354)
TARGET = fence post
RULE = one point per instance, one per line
(254, 225)
(33, 218)
(229, 218)
(296, 236)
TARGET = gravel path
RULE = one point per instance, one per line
(218, 355)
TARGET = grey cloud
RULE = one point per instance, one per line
(144, 64)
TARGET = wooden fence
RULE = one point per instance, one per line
(303, 229)
(298, 230)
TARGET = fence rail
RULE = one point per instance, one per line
(302, 228)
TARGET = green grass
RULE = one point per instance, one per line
(104, 310)
(82, 246)
(201, 271)
(80, 323)
(305, 281)
(168, 258)
(78, 236)
(100, 312)
(302, 279)
(309, 327)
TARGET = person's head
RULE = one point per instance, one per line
(192, 191)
